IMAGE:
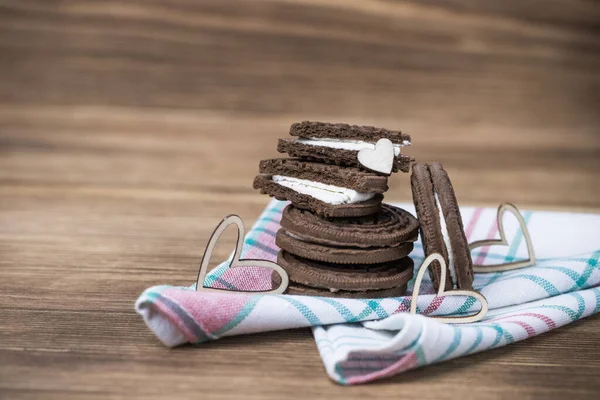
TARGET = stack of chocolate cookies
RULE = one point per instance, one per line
(336, 236)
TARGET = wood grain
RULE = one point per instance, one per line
(129, 129)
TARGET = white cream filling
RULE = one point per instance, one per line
(326, 193)
(347, 144)
(446, 237)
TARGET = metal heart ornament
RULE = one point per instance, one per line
(441, 292)
(380, 159)
(236, 262)
(530, 261)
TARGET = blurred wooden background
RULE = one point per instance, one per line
(129, 128)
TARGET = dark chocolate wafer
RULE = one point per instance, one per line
(389, 227)
(267, 186)
(341, 255)
(441, 225)
(327, 130)
(346, 277)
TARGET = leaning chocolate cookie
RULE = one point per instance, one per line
(441, 225)
(340, 143)
(328, 190)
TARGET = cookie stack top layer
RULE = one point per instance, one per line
(325, 176)
(340, 143)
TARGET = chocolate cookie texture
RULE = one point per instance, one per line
(441, 225)
(332, 155)
(308, 202)
(341, 255)
(346, 277)
(388, 227)
(336, 237)
(327, 130)
(340, 143)
(327, 190)
(351, 178)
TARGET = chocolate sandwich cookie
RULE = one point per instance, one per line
(328, 190)
(441, 225)
(346, 178)
(340, 143)
(333, 279)
(340, 255)
(388, 227)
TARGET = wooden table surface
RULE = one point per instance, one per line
(129, 129)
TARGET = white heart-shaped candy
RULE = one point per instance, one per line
(380, 159)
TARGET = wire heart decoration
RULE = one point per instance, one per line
(236, 262)
(530, 261)
(441, 292)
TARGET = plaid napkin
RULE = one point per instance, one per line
(361, 340)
